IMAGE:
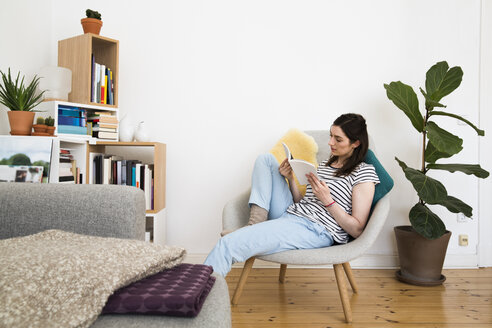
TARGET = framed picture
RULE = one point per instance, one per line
(25, 159)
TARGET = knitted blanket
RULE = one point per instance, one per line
(61, 279)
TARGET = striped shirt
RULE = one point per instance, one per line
(341, 188)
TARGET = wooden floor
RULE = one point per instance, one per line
(309, 298)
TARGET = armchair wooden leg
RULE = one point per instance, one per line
(342, 289)
(281, 276)
(242, 280)
(350, 276)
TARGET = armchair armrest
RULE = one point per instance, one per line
(235, 214)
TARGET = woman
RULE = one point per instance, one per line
(335, 206)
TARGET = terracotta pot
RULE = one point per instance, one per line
(91, 25)
(39, 128)
(421, 259)
(50, 130)
(20, 122)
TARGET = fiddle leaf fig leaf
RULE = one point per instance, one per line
(429, 103)
(443, 140)
(440, 81)
(405, 98)
(455, 205)
(474, 169)
(429, 190)
(432, 154)
(425, 222)
(479, 132)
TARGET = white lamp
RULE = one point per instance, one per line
(57, 81)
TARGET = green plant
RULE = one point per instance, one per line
(93, 14)
(49, 121)
(18, 97)
(40, 120)
(440, 82)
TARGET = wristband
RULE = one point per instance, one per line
(330, 204)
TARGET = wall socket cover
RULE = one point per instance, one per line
(463, 240)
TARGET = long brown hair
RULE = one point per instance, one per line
(355, 128)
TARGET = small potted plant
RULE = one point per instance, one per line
(50, 122)
(39, 127)
(21, 101)
(422, 246)
(93, 22)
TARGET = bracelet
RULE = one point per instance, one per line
(330, 204)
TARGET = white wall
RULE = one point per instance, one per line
(220, 81)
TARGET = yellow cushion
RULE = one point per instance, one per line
(301, 145)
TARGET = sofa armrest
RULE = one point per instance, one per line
(97, 210)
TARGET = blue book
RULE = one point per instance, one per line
(68, 120)
(71, 112)
(72, 129)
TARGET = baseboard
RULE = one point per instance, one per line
(367, 261)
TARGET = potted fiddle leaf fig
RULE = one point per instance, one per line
(93, 22)
(422, 246)
(21, 101)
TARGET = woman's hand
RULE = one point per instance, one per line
(320, 189)
(286, 170)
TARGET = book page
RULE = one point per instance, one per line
(300, 167)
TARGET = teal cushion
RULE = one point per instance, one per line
(385, 181)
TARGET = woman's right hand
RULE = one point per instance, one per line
(286, 170)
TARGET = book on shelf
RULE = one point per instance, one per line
(99, 128)
(102, 84)
(71, 129)
(105, 135)
(98, 117)
(111, 169)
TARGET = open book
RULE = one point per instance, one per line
(300, 167)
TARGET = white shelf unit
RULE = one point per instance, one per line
(78, 149)
(50, 108)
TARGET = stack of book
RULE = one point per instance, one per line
(68, 170)
(72, 120)
(103, 126)
(102, 84)
(111, 169)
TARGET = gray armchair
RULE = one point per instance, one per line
(236, 214)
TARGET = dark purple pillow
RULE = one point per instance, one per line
(179, 291)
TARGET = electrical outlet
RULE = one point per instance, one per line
(463, 240)
(461, 217)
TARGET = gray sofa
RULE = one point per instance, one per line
(98, 210)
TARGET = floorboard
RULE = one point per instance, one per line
(309, 298)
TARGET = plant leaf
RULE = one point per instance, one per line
(404, 98)
(425, 222)
(440, 81)
(479, 132)
(474, 169)
(455, 205)
(429, 103)
(443, 140)
(429, 190)
(432, 154)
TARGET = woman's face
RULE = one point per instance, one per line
(340, 144)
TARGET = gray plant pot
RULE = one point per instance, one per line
(421, 259)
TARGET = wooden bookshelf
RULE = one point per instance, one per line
(155, 153)
(75, 53)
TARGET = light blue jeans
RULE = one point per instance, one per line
(283, 231)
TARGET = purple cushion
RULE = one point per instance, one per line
(179, 291)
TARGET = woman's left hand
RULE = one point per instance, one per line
(320, 189)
